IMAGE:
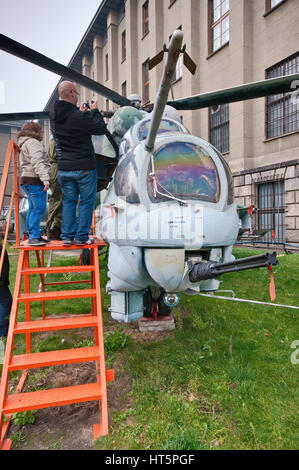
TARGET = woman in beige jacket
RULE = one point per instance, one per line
(35, 169)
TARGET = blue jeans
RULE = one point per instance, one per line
(37, 199)
(5, 306)
(74, 183)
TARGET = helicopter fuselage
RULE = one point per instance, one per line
(167, 210)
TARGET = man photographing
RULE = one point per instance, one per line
(72, 129)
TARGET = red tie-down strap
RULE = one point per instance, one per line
(271, 285)
(273, 234)
(250, 210)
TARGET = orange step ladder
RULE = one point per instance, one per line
(19, 401)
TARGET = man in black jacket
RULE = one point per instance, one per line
(5, 295)
(72, 129)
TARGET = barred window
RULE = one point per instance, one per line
(219, 127)
(282, 113)
(218, 24)
(271, 213)
(145, 81)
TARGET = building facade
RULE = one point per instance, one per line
(232, 42)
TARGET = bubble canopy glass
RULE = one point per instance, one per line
(185, 170)
(165, 126)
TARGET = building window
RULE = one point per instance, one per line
(219, 127)
(282, 113)
(145, 82)
(218, 24)
(271, 213)
(123, 45)
(272, 3)
(107, 67)
(124, 89)
(145, 19)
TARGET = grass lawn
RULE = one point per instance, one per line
(223, 379)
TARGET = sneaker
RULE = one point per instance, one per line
(90, 241)
(36, 242)
(67, 242)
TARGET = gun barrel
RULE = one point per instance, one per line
(212, 269)
(165, 84)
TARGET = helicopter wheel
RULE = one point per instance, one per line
(149, 297)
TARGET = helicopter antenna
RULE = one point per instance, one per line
(164, 87)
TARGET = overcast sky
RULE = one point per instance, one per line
(51, 27)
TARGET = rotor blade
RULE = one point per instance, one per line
(24, 116)
(248, 91)
(188, 62)
(24, 52)
(156, 60)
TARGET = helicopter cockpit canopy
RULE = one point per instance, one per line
(140, 131)
(186, 168)
(186, 171)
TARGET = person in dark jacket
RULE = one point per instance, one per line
(5, 295)
(72, 129)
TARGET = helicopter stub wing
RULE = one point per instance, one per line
(30, 115)
(24, 116)
(26, 53)
(248, 91)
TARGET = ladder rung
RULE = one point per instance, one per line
(54, 358)
(53, 397)
(84, 321)
(58, 269)
(57, 295)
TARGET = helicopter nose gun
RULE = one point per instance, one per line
(212, 269)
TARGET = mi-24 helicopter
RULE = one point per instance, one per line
(169, 214)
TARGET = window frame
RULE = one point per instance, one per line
(212, 25)
(145, 18)
(123, 46)
(276, 211)
(282, 98)
(224, 123)
(107, 67)
(269, 8)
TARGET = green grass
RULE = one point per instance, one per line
(223, 379)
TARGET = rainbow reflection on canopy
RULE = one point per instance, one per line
(186, 171)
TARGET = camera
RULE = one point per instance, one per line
(87, 105)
